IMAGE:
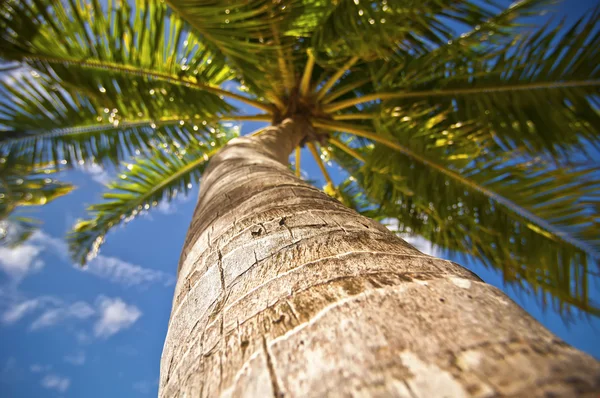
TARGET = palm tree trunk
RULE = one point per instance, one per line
(283, 291)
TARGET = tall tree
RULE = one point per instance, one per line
(482, 143)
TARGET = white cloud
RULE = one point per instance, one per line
(78, 310)
(111, 268)
(165, 207)
(145, 386)
(421, 244)
(119, 271)
(115, 316)
(56, 382)
(98, 174)
(170, 207)
(82, 337)
(19, 310)
(111, 315)
(57, 245)
(76, 359)
(37, 368)
(20, 261)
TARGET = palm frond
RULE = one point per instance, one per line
(382, 73)
(510, 187)
(252, 37)
(16, 230)
(83, 43)
(142, 185)
(23, 185)
(50, 124)
(535, 222)
(511, 89)
(397, 29)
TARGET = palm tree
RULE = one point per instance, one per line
(485, 144)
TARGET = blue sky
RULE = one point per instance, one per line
(68, 332)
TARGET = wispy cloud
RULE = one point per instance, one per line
(17, 262)
(78, 310)
(82, 337)
(76, 359)
(56, 245)
(98, 174)
(420, 243)
(111, 268)
(165, 207)
(51, 381)
(111, 316)
(37, 368)
(56, 382)
(115, 316)
(119, 271)
(170, 207)
(18, 310)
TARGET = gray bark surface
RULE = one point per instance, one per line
(283, 291)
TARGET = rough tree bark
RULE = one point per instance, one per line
(283, 291)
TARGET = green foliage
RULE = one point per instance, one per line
(115, 70)
(23, 185)
(144, 184)
(391, 28)
(510, 90)
(68, 128)
(144, 38)
(484, 143)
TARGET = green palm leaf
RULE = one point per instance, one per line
(68, 128)
(142, 185)
(511, 89)
(23, 185)
(112, 41)
(536, 222)
(394, 28)
(251, 35)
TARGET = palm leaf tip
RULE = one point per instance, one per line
(142, 185)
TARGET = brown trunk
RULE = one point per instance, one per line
(283, 291)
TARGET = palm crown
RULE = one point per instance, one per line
(479, 143)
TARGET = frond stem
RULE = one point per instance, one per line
(288, 80)
(257, 118)
(347, 149)
(110, 66)
(308, 69)
(315, 153)
(298, 154)
(355, 116)
(87, 129)
(335, 77)
(336, 126)
(343, 90)
(257, 132)
(337, 106)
